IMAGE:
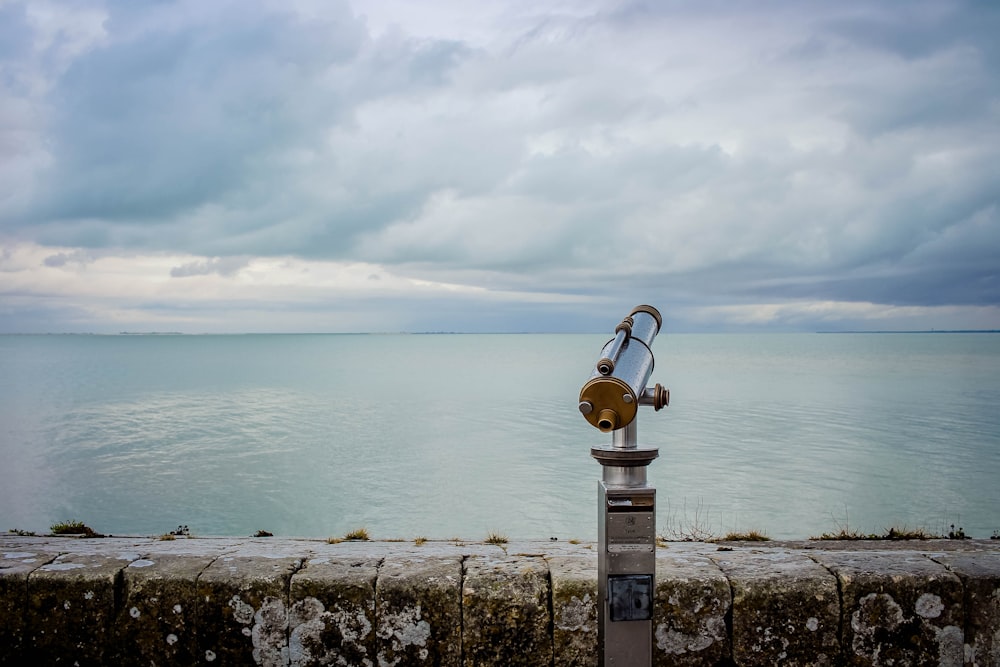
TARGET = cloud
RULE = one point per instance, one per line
(63, 258)
(706, 156)
(105, 292)
(224, 266)
(176, 112)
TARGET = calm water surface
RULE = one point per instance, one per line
(458, 435)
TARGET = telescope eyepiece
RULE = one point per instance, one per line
(607, 420)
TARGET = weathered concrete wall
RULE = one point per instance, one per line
(305, 602)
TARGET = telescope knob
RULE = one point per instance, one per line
(658, 397)
(661, 397)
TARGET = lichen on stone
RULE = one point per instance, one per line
(929, 606)
(402, 629)
(242, 612)
(269, 632)
(578, 614)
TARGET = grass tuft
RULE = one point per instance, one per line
(496, 538)
(904, 533)
(334, 540)
(73, 528)
(843, 534)
(357, 535)
(22, 533)
(167, 537)
(749, 536)
(895, 533)
(420, 541)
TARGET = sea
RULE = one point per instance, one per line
(455, 436)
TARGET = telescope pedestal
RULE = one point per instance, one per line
(626, 564)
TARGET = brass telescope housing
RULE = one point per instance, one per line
(611, 396)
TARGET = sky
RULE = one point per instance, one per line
(542, 165)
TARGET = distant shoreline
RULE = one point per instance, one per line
(920, 331)
(134, 334)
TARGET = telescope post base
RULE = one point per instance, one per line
(626, 570)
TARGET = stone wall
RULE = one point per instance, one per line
(141, 601)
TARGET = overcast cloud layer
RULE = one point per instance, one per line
(498, 166)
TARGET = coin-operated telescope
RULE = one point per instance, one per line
(626, 570)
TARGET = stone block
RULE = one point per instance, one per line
(574, 610)
(505, 611)
(71, 609)
(418, 604)
(241, 616)
(15, 566)
(331, 620)
(156, 624)
(980, 575)
(786, 608)
(689, 614)
(898, 608)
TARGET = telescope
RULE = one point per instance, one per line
(611, 397)
(626, 564)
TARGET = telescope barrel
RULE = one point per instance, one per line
(646, 323)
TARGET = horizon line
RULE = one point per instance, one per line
(486, 333)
